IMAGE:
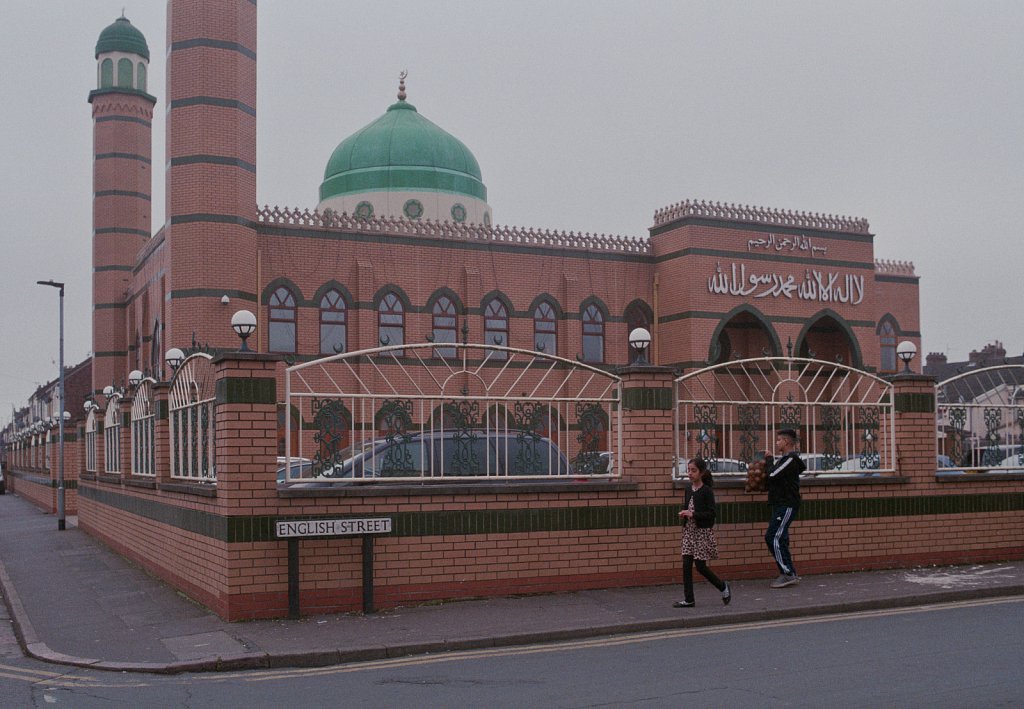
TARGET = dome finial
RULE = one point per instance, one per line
(401, 85)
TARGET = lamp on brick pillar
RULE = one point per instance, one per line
(243, 323)
(134, 378)
(174, 358)
(906, 351)
(639, 340)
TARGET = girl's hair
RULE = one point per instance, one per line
(705, 475)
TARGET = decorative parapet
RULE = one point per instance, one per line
(894, 268)
(329, 219)
(759, 215)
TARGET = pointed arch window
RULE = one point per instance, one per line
(496, 326)
(446, 326)
(141, 74)
(106, 73)
(281, 322)
(391, 322)
(887, 343)
(125, 69)
(333, 323)
(593, 334)
(545, 329)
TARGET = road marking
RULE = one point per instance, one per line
(599, 642)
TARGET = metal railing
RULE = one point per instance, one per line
(728, 414)
(487, 412)
(112, 437)
(90, 442)
(980, 421)
(143, 426)
(191, 413)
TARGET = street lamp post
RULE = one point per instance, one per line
(61, 524)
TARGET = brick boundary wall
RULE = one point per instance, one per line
(218, 547)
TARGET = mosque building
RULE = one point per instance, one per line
(400, 250)
(401, 244)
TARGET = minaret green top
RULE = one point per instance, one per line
(122, 36)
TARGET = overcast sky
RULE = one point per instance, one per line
(584, 116)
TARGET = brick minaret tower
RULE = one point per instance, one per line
(211, 173)
(122, 181)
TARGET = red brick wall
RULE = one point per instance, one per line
(249, 579)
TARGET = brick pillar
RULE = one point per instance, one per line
(246, 430)
(161, 433)
(647, 426)
(916, 445)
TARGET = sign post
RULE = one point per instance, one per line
(294, 530)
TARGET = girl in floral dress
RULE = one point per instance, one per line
(699, 545)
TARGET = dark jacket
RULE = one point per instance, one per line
(703, 506)
(784, 480)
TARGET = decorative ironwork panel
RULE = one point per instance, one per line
(820, 400)
(980, 420)
(750, 425)
(191, 416)
(489, 410)
(331, 423)
(591, 421)
(831, 436)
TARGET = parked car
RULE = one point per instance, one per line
(3, 483)
(718, 466)
(453, 454)
(300, 468)
(817, 463)
(1013, 463)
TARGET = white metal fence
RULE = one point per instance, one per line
(112, 437)
(481, 413)
(143, 424)
(191, 413)
(980, 421)
(728, 414)
(90, 442)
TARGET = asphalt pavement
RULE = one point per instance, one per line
(73, 601)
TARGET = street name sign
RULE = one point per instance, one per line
(332, 527)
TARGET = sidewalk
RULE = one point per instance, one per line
(75, 602)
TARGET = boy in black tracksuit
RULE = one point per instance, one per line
(784, 498)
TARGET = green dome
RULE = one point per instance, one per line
(122, 37)
(402, 150)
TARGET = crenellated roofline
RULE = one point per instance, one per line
(759, 215)
(329, 219)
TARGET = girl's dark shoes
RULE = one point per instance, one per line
(727, 594)
(683, 604)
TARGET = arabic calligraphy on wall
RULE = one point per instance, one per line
(780, 242)
(819, 286)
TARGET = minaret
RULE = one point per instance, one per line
(211, 168)
(122, 181)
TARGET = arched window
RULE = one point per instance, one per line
(887, 343)
(106, 73)
(124, 73)
(446, 326)
(391, 322)
(333, 324)
(142, 76)
(281, 321)
(496, 326)
(593, 334)
(545, 329)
